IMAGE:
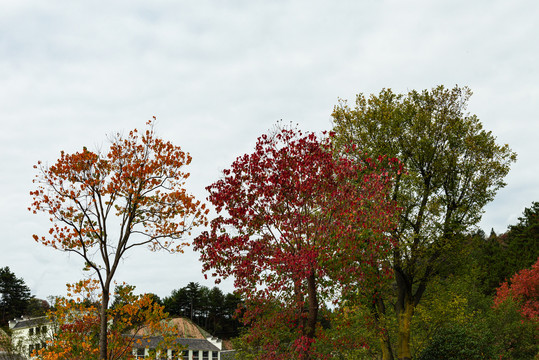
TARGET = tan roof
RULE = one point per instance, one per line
(185, 329)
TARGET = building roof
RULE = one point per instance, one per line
(190, 343)
(25, 322)
(185, 328)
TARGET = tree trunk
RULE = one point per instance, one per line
(313, 307)
(309, 326)
(404, 316)
(385, 342)
(387, 353)
(404, 309)
(103, 325)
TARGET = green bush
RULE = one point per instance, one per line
(456, 342)
(512, 336)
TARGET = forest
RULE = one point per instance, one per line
(465, 315)
(358, 243)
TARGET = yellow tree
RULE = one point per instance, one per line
(454, 168)
(104, 204)
(76, 318)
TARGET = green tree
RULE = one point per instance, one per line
(511, 335)
(454, 168)
(457, 342)
(37, 307)
(456, 302)
(211, 308)
(215, 309)
(15, 295)
(523, 239)
(195, 298)
(177, 303)
(518, 248)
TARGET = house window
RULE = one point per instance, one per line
(214, 355)
(186, 355)
(140, 353)
(195, 355)
(31, 331)
(43, 329)
(205, 355)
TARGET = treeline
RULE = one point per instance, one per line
(457, 314)
(211, 309)
(462, 312)
(376, 218)
(501, 256)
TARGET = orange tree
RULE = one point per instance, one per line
(76, 318)
(296, 227)
(104, 204)
(523, 289)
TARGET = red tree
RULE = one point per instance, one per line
(523, 289)
(296, 226)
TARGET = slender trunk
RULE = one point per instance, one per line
(387, 353)
(385, 342)
(313, 307)
(103, 325)
(312, 313)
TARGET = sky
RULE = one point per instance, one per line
(218, 74)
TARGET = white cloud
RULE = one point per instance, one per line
(218, 74)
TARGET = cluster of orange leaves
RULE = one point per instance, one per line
(139, 180)
(76, 321)
(523, 289)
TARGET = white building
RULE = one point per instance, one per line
(196, 349)
(198, 344)
(29, 334)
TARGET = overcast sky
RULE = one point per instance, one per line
(218, 74)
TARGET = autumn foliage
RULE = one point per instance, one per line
(101, 205)
(139, 181)
(523, 289)
(296, 227)
(76, 323)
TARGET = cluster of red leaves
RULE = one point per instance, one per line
(523, 289)
(274, 333)
(292, 211)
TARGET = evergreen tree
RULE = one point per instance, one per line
(501, 256)
(15, 296)
(523, 240)
(209, 308)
